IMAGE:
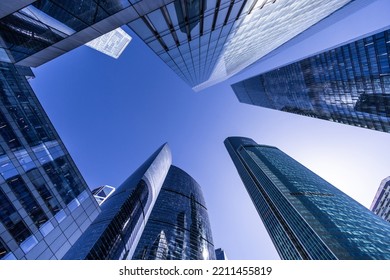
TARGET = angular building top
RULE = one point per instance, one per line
(158, 213)
(206, 41)
(125, 213)
(349, 84)
(203, 41)
(305, 216)
(112, 43)
(102, 193)
(381, 203)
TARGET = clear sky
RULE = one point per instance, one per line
(112, 114)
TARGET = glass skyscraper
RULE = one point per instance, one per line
(206, 41)
(45, 204)
(34, 32)
(124, 214)
(178, 227)
(305, 216)
(349, 84)
(203, 41)
(381, 203)
(160, 208)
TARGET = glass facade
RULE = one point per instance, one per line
(178, 227)
(220, 254)
(349, 84)
(381, 203)
(114, 233)
(45, 29)
(158, 213)
(205, 41)
(305, 216)
(189, 36)
(45, 204)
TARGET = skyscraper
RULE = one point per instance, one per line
(34, 32)
(45, 204)
(124, 214)
(220, 254)
(381, 203)
(305, 216)
(160, 208)
(178, 227)
(349, 84)
(206, 41)
(203, 41)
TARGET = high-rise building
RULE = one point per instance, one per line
(118, 227)
(305, 216)
(381, 203)
(45, 204)
(178, 227)
(203, 41)
(220, 254)
(206, 41)
(349, 84)
(34, 32)
(151, 209)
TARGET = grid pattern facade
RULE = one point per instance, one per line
(46, 29)
(189, 36)
(349, 84)
(178, 227)
(306, 217)
(381, 203)
(205, 41)
(45, 203)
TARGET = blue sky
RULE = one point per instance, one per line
(112, 114)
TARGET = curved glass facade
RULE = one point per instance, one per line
(306, 217)
(178, 227)
(114, 233)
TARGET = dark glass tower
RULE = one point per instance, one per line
(45, 204)
(178, 227)
(220, 254)
(305, 216)
(349, 84)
